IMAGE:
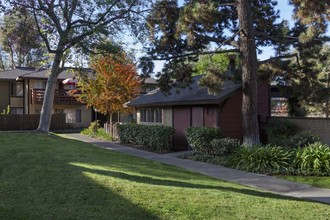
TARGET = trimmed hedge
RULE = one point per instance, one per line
(279, 131)
(151, 137)
(199, 138)
(224, 146)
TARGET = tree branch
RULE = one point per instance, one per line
(273, 59)
(43, 36)
(194, 54)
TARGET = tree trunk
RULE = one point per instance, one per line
(12, 57)
(47, 105)
(249, 74)
(110, 123)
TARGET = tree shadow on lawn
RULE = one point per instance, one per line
(165, 182)
(36, 185)
(40, 181)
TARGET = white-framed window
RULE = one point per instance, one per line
(16, 88)
(153, 115)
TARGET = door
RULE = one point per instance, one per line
(181, 121)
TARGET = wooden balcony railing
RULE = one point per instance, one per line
(61, 97)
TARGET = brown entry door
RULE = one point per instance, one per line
(181, 121)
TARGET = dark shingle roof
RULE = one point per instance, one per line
(31, 73)
(188, 96)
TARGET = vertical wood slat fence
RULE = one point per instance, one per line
(30, 122)
(114, 132)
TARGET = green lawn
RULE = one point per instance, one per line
(49, 177)
(317, 181)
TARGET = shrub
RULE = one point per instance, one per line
(151, 137)
(224, 145)
(199, 138)
(313, 160)
(301, 139)
(199, 156)
(258, 159)
(278, 131)
(95, 131)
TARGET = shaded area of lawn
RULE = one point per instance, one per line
(49, 177)
(318, 181)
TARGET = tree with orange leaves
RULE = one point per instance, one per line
(113, 83)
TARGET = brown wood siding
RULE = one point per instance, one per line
(210, 116)
(231, 117)
(263, 101)
(4, 95)
(197, 116)
(181, 121)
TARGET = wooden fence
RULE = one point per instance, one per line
(114, 131)
(30, 122)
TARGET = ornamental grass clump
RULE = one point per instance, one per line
(313, 160)
(262, 159)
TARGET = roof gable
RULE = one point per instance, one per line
(32, 73)
(194, 94)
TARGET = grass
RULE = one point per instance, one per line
(50, 177)
(100, 133)
(318, 181)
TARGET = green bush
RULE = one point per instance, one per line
(199, 138)
(313, 160)
(258, 159)
(278, 131)
(95, 131)
(151, 137)
(301, 139)
(224, 145)
(199, 156)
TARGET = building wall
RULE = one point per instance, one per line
(4, 95)
(317, 126)
(264, 101)
(16, 102)
(70, 112)
(196, 119)
(181, 122)
(231, 117)
(211, 116)
(167, 116)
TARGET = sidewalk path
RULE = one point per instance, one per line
(264, 182)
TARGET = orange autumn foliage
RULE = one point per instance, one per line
(113, 83)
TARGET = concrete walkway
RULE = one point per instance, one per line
(264, 182)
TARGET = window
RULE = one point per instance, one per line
(143, 115)
(16, 88)
(153, 115)
(158, 114)
(78, 115)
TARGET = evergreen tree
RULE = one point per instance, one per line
(180, 34)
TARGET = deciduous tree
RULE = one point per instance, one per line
(113, 83)
(20, 39)
(63, 24)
